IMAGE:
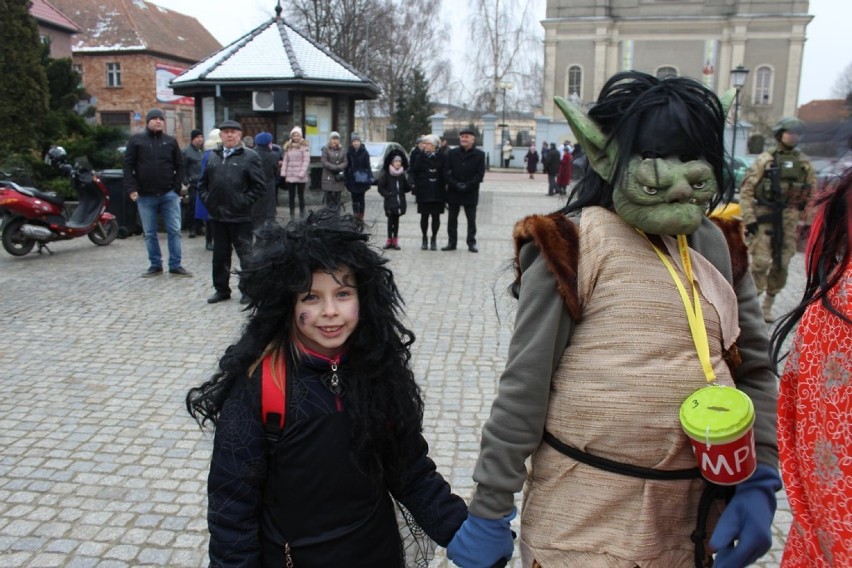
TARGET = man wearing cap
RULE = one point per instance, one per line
(153, 173)
(192, 156)
(231, 182)
(464, 170)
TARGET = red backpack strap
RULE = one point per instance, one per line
(272, 398)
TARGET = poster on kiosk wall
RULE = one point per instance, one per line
(165, 94)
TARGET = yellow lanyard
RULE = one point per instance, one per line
(694, 315)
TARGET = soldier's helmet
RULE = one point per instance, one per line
(787, 123)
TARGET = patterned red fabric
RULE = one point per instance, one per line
(815, 435)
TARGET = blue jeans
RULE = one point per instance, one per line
(169, 206)
(553, 187)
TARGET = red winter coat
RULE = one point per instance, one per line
(564, 177)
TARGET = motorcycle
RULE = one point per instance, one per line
(30, 217)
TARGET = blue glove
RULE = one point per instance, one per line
(748, 520)
(481, 543)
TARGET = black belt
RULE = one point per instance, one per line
(618, 467)
(710, 493)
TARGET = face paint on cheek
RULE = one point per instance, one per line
(303, 317)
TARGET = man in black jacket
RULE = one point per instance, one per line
(550, 164)
(231, 182)
(464, 172)
(153, 172)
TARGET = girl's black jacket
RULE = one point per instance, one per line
(305, 491)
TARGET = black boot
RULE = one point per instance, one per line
(433, 244)
(425, 245)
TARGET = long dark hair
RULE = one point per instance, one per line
(826, 257)
(382, 398)
(630, 98)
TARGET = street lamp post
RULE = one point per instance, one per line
(738, 79)
(504, 86)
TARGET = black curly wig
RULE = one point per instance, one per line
(383, 401)
(678, 106)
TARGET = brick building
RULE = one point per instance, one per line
(128, 51)
(54, 27)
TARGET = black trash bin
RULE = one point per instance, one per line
(120, 205)
(316, 177)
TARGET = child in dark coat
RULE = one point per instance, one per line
(393, 186)
(318, 486)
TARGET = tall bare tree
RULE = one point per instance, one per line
(383, 39)
(842, 88)
(507, 49)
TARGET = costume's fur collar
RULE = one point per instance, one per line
(558, 241)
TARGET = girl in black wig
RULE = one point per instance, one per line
(319, 491)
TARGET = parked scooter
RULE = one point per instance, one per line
(31, 217)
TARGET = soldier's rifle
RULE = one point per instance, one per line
(775, 217)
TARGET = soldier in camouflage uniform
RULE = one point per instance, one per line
(761, 200)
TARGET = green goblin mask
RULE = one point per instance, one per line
(666, 186)
(664, 196)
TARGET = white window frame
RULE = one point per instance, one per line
(761, 93)
(569, 92)
(113, 74)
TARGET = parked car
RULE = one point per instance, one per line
(378, 152)
(828, 171)
(741, 166)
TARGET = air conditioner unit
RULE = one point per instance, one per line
(263, 101)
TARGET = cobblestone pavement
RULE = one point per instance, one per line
(100, 465)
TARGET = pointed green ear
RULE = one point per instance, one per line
(590, 136)
(727, 100)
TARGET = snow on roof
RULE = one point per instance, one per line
(119, 25)
(249, 62)
(274, 51)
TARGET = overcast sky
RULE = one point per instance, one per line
(828, 50)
